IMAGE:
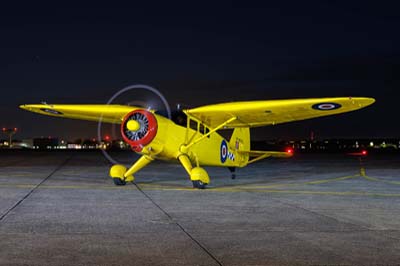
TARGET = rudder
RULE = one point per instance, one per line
(240, 141)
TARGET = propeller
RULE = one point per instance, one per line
(139, 127)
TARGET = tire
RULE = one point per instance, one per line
(119, 182)
(198, 184)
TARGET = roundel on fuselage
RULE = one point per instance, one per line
(223, 151)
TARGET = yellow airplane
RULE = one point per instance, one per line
(193, 140)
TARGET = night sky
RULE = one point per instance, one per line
(199, 54)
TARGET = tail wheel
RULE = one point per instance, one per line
(138, 129)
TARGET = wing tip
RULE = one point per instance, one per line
(24, 106)
(30, 107)
(366, 101)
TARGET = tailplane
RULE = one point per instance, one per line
(240, 143)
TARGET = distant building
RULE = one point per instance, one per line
(330, 145)
(45, 143)
(27, 144)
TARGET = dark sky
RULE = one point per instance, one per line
(200, 54)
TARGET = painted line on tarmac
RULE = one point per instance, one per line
(94, 186)
(301, 192)
(238, 188)
(27, 186)
(316, 182)
(374, 179)
(34, 188)
(227, 190)
(184, 188)
(186, 232)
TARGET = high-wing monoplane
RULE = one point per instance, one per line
(194, 140)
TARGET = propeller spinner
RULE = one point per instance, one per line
(139, 128)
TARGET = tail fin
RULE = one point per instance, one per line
(240, 141)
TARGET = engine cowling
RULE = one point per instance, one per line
(139, 128)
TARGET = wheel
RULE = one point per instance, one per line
(198, 184)
(232, 170)
(119, 182)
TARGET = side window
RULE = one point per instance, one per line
(179, 118)
(204, 130)
(199, 127)
(193, 125)
(207, 131)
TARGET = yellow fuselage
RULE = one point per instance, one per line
(171, 139)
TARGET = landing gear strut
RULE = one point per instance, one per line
(120, 174)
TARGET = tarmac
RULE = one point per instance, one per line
(61, 208)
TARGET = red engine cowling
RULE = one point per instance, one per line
(146, 132)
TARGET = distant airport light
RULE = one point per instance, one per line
(361, 153)
(10, 132)
(107, 137)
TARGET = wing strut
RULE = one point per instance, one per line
(211, 131)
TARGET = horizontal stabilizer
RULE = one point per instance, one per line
(259, 155)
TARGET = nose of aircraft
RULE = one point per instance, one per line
(133, 125)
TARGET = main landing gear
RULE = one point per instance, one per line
(117, 172)
(198, 175)
(121, 175)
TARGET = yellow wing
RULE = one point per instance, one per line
(92, 112)
(263, 113)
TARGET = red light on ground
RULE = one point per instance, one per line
(361, 153)
(15, 129)
(289, 150)
(107, 137)
(4, 129)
